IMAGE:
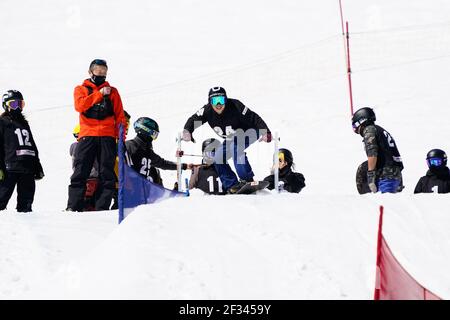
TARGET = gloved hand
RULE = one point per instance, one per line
(371, 181)
(179, 153)
(187, 166)
(187, 136)
(39, 175)
(39, 172)
(267, 137)
(2, 175)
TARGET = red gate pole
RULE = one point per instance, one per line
(378, 270)
(349, 70)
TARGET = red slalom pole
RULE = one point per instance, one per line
(376, 295)
(343, 35)
(342, 19)
(349, 70)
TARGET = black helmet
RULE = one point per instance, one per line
(363, 116)
(98, 62)
(147, 128)
(217, 92)
(287, 155)
(12, 95)
(209, 147)
(211, 141)
(436, 158)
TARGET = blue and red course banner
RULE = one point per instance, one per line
(134, 189)
(393, 282)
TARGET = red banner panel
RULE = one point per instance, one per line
(393, 282)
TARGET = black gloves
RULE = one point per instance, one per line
(38, 172)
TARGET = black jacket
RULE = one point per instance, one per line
(141, 157)
(235, 116)
(293, 181)
(18, 151)
(379, 143)
(206, 179)
(437, 181)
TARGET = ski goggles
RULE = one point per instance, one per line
(281, 157)
(150, 132)
(15, 104)
(218, 100)
(435, 162)
(357, 124)
(209, 154)
(153, 134)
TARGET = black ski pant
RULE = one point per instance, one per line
(26, 186)
(90, 148)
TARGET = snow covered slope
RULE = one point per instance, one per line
(283, 59)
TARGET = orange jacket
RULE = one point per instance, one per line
(108, 127)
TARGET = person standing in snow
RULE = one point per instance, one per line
(19, 156)
(384, 163)
(101, 112)
(437, 178)
(239, 126)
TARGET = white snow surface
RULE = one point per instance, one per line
(284, 60)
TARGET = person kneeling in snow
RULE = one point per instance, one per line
(288, 180)
(19, 156)
(140, 155)
(205, 177)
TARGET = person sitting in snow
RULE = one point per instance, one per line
(140, 155)
(288, 180)
(205, 177)
(437, 178)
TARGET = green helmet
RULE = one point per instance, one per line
(147, 128)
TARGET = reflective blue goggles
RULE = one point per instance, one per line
(434, 162)
(218, 100)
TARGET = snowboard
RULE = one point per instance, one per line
(252, 187)
(361, 180)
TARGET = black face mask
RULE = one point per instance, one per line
(98, 80)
